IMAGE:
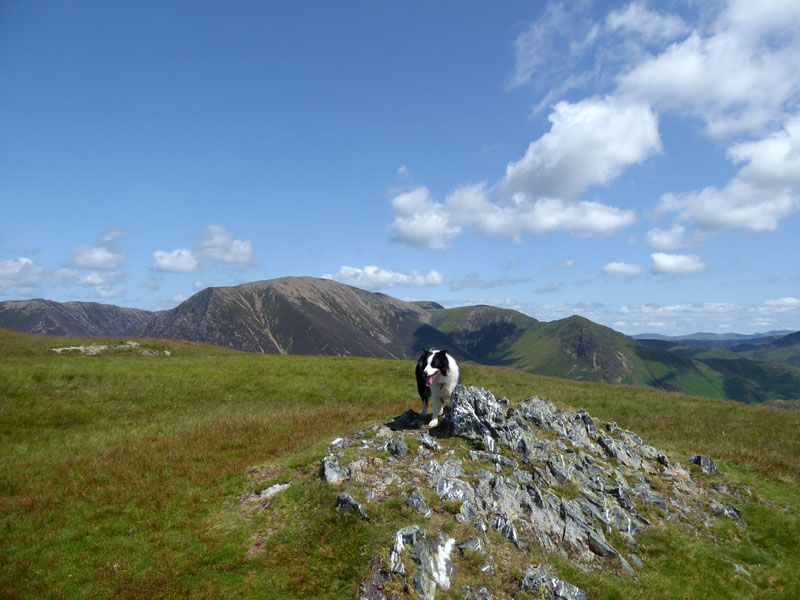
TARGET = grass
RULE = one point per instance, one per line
(122, 475)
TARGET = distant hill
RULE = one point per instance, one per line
(576, 348)
(707, 336)
(72, 319)
(310, 316)
(784, 350)
(301, 315)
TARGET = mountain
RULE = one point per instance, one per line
(784, 350)
(301, 315)
(576, 348)
(707, 336)
(310, 316)
(45, 317)
(737, 342)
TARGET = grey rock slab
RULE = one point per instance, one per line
(346, 503)
(544, 585)
(332, 472)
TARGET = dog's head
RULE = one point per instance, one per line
(433, 363)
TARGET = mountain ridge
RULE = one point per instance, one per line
(311, 316)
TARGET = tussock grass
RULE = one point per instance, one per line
(122, 475)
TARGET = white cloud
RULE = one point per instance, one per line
(623, 270)
(671, 239)
(737, 77)
(764, 191)
(107, 291)
(532, 47)
(638, 19)
(99, 279)
(567, 264)
(114, 234)
(781, 304)
(220, 244)
(590, 142)
(24, 274)
(21, 272)
(374, 278)
(583, 219)
(422, 222)
(101, 258)
(177, 261)
(677, 264)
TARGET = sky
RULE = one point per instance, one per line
(635, 163)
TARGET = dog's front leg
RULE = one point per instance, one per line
(424, 407)
(437, 410)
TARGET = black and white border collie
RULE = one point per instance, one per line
(437, 376)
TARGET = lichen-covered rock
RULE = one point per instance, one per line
(543, 584)
(332, 472)
(397, 447)
(706, 464)
(433, 566)
(346, 503)
(418, 504)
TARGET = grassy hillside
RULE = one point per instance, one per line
(576, 348)
(784, 350)
(122, 475)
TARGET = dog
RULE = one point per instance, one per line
(437, 375)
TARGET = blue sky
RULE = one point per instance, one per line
(637, 163)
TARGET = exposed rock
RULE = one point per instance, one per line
(269, 492)
(705, 463)
(331, 471)
(418, 504)
(346, 503)
(397, 447)
(432, 564)
(534, 474)
(545, 585)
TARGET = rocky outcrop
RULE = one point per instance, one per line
(517, 477)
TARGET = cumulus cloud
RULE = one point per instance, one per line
(20, 272)
(99, 279)
(105, 292)
(622, 270)
(590, 142)
(177, 261)
(102, 258)
(737, 75)
(24, 274)
(422, 222)
(671, 239)
(764, 191)
(374, 278)
(219, 244)
(683, 265)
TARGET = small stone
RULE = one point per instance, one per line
(474, 544)
(397, 447)
(545, 585)
(429, 442)
(705, 463)
(272, 490)
(417, 503)
(346, 503)
(332, 472)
